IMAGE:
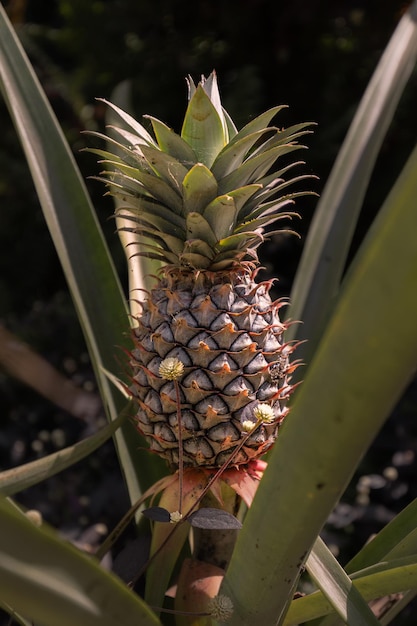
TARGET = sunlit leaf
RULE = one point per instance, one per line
(337, 587)
(203, 128)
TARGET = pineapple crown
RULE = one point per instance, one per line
(202, 199)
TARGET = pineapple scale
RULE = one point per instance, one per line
(227, 333)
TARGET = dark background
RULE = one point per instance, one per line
(317, 57)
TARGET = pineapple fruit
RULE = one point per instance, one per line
(199, 204)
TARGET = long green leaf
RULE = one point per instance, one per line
(49, 581)
(396, 540)
(318, 277)
(74, 228)
(358, 375)
(382, 579)
(233, 154)
(253, 168)
(337, 587)
(260, 122)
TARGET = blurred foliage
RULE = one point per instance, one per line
(315, 56)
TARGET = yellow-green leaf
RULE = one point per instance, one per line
(202, 128)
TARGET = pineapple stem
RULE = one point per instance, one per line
(216, 546)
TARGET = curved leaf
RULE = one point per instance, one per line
(169, 141)
(234, 153)
(318, 277)
(137, 128)
(199, 228)
(199, 187)
(221, 215)
(166, 166)
(253, 168)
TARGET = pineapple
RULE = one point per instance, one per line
(199, 204)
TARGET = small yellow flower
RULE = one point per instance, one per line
(248, 425)
(171, 368)
(264, 413)
(175, 517)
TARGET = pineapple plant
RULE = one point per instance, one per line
(210, 364)
(262, 592)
